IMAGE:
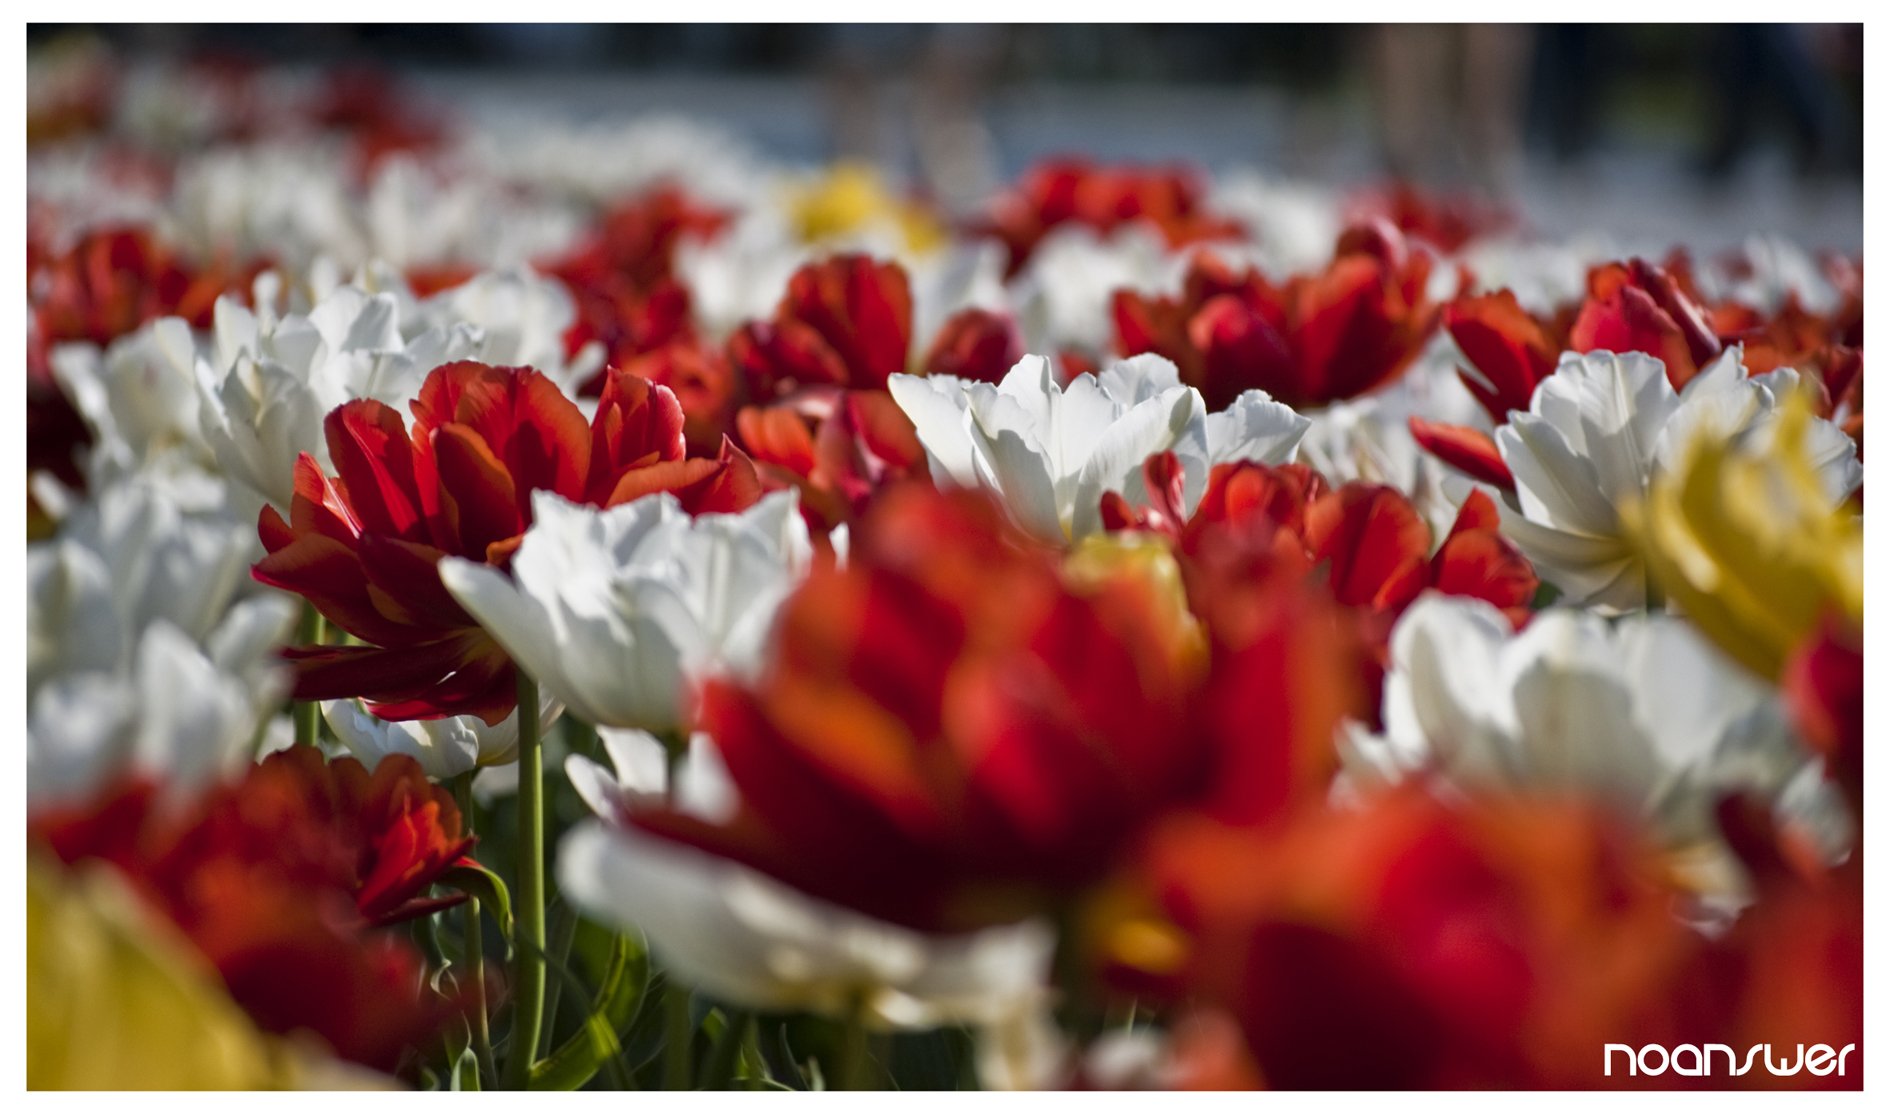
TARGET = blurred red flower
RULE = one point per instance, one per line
(1170, 200)
(1448, 222)
(845, 321)
(364, 547)
(1409, 943)
(282, 878)
(1365, 542)
(974, 344)
(951, 735)
(112, 280)
(622, 276)
(1318, 338)
(838, 447)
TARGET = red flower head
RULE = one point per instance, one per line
(1075, 191)
(1412, 944)
(840, 448)
(844, 322)
(1508, 349)
(1316, 339)
(1365, 542)
(1372, 547)
(951, 736)
(364, 547)
(1790, 971)
(1639, 307)
(700, 377)
(1824, 687)
(115, 279)
(975, 344)
(282, 879)
(623, 276)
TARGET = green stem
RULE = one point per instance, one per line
(851, 1072)
(528, 940)
(473, 950)
(310, 630)
(678, 1036)
(563, 934)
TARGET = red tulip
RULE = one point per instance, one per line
(1316, 339)
(1169, 200)
(115, 279)
(839, 448)
(1447, 222)
(951, 736)
(281, 880)
(364, 547)
(622, 277)
(700, 377)
(844, 322)
(1639, 307)
(974, 344)
(1509, 351)
(1414, 944)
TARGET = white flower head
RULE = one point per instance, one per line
(1063, 294)
(1640, 711)
(444, 747)
(1596, 433)
(1050, 452)
(619, 612)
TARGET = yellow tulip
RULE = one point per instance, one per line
(851, 196)
(116, 999)
(1746, 543)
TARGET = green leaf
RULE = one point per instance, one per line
(619, 999)
(476, 881)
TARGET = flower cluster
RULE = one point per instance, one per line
(1143, 630)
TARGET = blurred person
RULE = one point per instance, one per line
(1449, 101)
(936, 123)
(1755, 70)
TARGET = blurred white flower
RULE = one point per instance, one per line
(138, 396)
(267, 382)
(1063, 294)
(619, 612)
(1294, 224)
(1051, 451)
(445, 747)
(741, 274)
(140, 655)
(520, 317)
(1640, 711)
(1764, 272)
(1596, 433)
(746, 939)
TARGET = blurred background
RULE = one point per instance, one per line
(1700, 134)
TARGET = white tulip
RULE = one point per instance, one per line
(445, 747)
(1063, 293)
(1640, 711)
(1050, 452)
(267, 383)
(142, 654)
(619, 612)
(1597, 432)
